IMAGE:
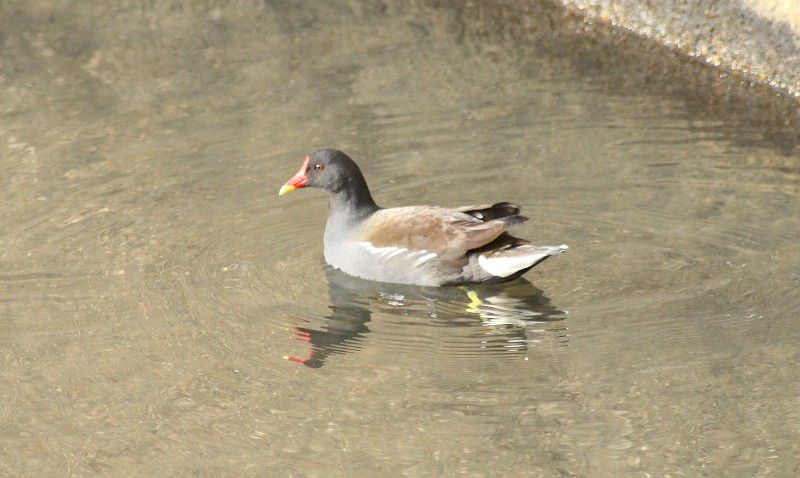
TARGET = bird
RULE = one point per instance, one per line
(419, 245)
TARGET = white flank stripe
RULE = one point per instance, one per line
(391, 251)
(386, 251)
(382, 251)
(424, 259)
(398, 251)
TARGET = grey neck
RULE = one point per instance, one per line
(348, 208)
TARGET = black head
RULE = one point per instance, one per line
(335, 172)
(339, 175)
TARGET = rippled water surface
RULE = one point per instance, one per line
(165, 313)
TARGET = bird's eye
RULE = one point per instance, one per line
(319, 167)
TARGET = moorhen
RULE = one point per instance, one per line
(421, 245)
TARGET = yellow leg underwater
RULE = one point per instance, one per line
(475, 301)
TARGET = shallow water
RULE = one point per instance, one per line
(153, 281)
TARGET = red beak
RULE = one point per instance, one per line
(297, 181)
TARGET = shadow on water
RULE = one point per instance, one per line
(504, 318)
(720, 103)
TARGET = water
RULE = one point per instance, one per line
(153, 281)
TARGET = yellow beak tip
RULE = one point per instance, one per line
(285, 189)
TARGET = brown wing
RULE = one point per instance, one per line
(447, 232)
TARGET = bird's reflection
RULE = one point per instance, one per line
(508, 313)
